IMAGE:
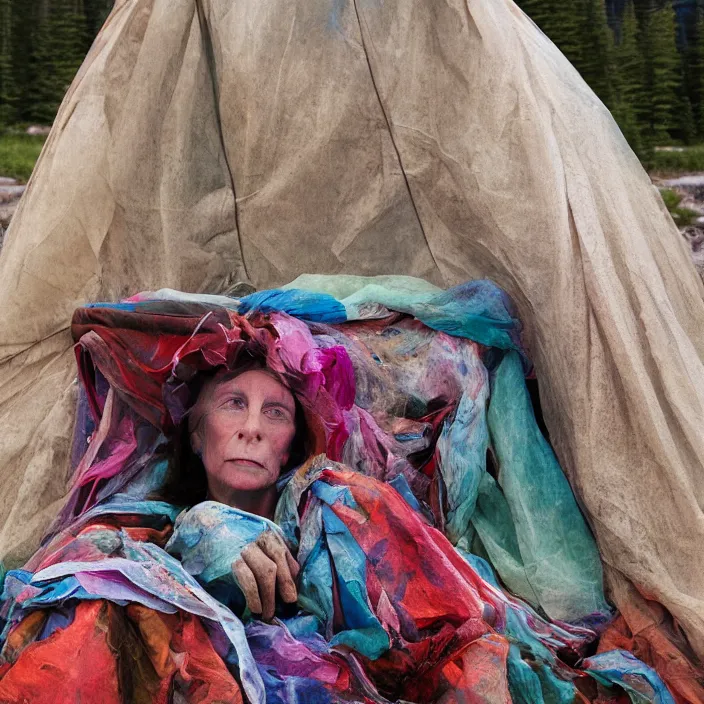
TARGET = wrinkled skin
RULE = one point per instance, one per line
(242, 428)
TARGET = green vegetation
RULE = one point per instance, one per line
(18, 154)
(689, 159)
(681, 216)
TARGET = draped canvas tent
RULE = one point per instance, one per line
(209, 141)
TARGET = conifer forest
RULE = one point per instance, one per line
(643, 58)
(42, 45)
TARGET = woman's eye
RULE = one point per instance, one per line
(276, 414)
(235, 402)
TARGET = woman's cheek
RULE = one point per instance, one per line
(212, 454)
(283, 446)
(217, 438)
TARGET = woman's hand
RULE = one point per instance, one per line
(262, 566)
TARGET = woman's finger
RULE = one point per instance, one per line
(292, 565)
(277, 551)
(264, 570)
(248, 584)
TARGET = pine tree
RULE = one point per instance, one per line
(96, 13)
(579, 29)
(24, 21)
(7, 86)
(560, 21)
(630, 101)
(663, 76)
(69, 25)
(694, 72)
(614, 17)
(59, 49)
(686, 126)
(595, 59)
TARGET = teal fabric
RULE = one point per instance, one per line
(557, 549)
(528, 522)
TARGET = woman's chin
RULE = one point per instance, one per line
(234, 478)
(250, 480)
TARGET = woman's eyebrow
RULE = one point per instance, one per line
(222, 391)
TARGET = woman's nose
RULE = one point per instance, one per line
(251, 428)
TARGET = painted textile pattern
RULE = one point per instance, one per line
(443, 555)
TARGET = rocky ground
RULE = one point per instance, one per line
(10, 192)
(691, 188)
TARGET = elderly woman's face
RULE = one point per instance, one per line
(243, 431)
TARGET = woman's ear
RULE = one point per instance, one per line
(197, 443)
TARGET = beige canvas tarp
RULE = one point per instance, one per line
(207, 141)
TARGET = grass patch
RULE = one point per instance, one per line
(690, 159)
(681, 216)
(18, 154)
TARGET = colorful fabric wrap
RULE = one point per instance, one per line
(443, 555)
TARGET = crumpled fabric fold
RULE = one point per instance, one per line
(428, 571)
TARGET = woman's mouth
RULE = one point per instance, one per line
(247, 462)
